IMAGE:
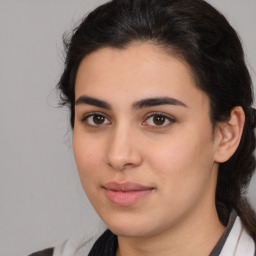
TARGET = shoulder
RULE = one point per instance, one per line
(72, 247)
(239, 242)
(79, 244)
(46, 252)
(105, 244)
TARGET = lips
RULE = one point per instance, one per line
(126, 194)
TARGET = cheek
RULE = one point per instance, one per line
(183, 170)
(183, 160)
(88, 156)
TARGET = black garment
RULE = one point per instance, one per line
(46, 252)
(106, 244)
(218, 247)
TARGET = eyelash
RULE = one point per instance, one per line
(167, 118)
(93, 114)
(161, 115)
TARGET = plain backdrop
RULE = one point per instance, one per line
(41, 199)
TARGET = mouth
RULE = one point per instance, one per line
(126, 194)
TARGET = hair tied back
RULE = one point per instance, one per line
(253, 116)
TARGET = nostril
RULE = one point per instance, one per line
(122, 162)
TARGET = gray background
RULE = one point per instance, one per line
(41, 200)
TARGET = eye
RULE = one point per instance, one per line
(158, 119)
(96, 120)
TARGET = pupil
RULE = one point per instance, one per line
(159, 120)
(97, 119)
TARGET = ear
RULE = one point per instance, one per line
(229, 135)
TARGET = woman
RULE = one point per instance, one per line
(163, 129)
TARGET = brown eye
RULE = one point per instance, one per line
(161, 120)
(96, 120)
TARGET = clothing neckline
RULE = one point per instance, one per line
(106, 244)
(218, 247)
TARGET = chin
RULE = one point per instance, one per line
(128, 231)
(131, 227)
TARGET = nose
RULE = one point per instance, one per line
(123, 149)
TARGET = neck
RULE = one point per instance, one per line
(198, 234)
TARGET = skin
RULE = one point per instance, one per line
(177, 157)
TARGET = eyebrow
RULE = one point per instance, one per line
(92, 101)
(150, 102)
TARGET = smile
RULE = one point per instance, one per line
(126, 194)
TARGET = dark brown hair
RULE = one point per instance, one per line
(202, 36)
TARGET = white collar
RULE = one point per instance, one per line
(239, 242)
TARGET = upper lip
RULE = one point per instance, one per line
(125, 186)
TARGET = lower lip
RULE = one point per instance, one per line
(127, 198)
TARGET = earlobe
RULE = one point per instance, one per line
(229, 134)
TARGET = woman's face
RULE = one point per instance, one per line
(143, 140)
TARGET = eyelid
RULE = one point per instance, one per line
(92, 113)
(170, 118)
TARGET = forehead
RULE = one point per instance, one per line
(141, 70)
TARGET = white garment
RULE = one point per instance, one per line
(78, 244)
(238, 243)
